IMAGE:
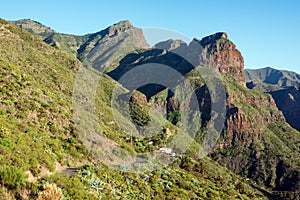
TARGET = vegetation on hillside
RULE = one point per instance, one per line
(39, 140)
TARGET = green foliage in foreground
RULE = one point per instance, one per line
(12, 177)
(167, 183)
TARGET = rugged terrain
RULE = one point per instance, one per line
(272, 76)
(96, 50)
(256, 138)
(283, 86)
(257, 156)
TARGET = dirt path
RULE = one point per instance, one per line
(71, 171)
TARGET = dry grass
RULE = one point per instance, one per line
(50, 192)
(5, 194)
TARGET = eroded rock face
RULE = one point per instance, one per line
(221, 54)
(215, 51)
(242, 126)
(250, 141)
(138, 98)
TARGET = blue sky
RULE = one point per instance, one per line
(266, 32)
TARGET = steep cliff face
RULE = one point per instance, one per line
(254, 140)
(215, 51)
(239, 122)
(220, 53)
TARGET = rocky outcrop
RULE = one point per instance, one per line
(242, 125)
(215, 51)
(221, 54)
(118, 28)
(138, 98)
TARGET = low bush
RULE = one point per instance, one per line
(12, 177)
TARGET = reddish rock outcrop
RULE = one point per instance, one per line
(221, 54)
(243, 122)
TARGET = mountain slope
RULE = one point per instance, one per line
(65, 42)
(256, 141)
(37, 134)
(97, 50)
(284, 88)
(34, 27)
(288, 101)
(116, 41)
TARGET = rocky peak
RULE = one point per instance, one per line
(221, 54)
(215, 51)
(119, 27)
(34, 27)
(213, 38)
(103, 49)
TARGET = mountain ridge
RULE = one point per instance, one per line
(83, 46)
(34, 27)
(256, 143)
(273, 76)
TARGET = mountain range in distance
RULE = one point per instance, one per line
(268, 75)
(283, 86)
(256, 156)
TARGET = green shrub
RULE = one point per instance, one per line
(139, 114)
(12, 177)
